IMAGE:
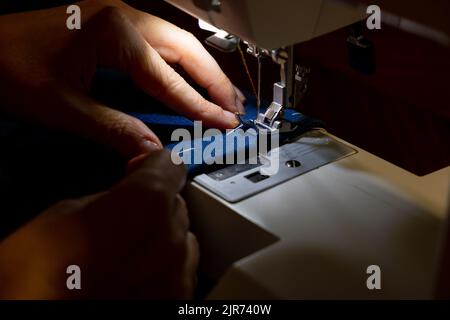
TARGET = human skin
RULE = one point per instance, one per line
(132, 240)
(47, 70)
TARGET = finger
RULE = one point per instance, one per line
(191, 265)
(153, 185)
(170, 88)
(147, 198)
(240, 95)
(120, 45)
(178, 228)
(157, 171)
(176, 45)
(181, 214)
(89, 118)
(181, 47)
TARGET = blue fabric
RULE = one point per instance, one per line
(115, 89)
(169, 122)
(39, 166)
(174, 120)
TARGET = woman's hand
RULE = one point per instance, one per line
(132, 241)
(46, 71)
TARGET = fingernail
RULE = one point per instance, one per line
(150, 146)
(231, 119)
(240, 106)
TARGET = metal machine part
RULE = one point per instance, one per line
(237, 182)
(300, 83)
(284, 91)
(270, 28)
(287, 93)
(223, 41)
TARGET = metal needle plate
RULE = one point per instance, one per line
(311, 151)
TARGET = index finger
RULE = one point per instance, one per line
(176, 45)
(119, 44)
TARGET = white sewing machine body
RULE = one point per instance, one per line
(315, 235)
(272, 24)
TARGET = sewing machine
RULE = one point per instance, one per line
(332, 210)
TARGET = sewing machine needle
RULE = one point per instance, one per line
(258, 101)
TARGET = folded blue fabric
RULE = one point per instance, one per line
(170, 122)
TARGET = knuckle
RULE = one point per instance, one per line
(206, 109)
(189, 36)
(118, 126)
(184, 221)
(181, 242)
(223, 80)
(171, 83)
(111, 14)
(159, 173)
(194, 241)
(158, 188)
(121, 125)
